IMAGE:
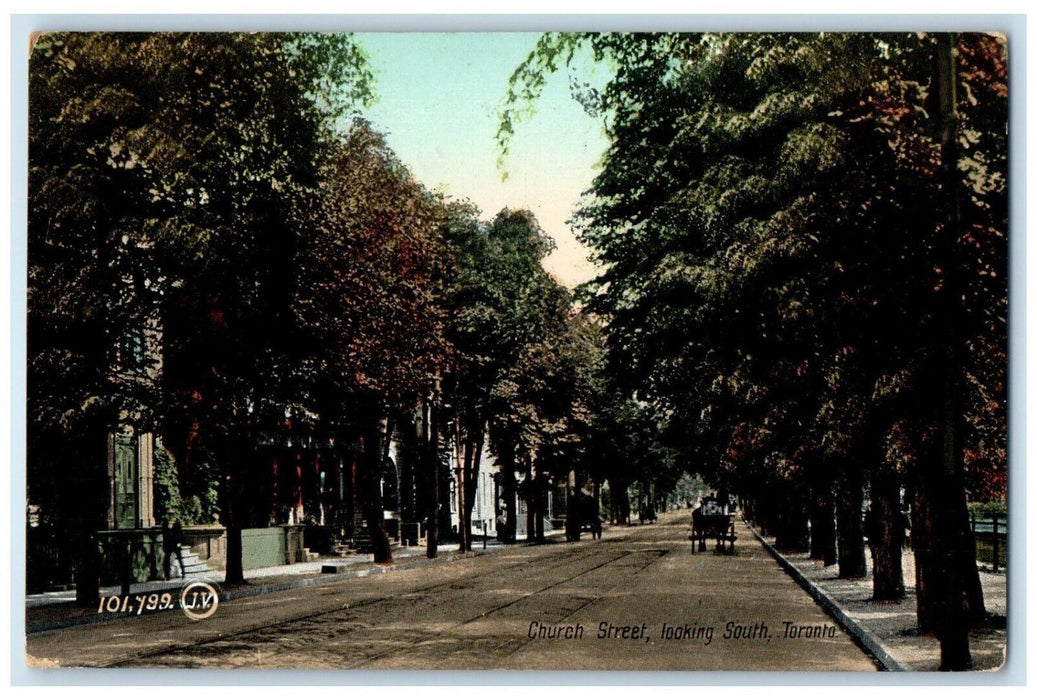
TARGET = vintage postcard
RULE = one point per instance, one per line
(517, 351)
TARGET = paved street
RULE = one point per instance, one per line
(637, 599)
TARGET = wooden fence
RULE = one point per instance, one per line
(991, 541)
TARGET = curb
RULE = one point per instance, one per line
(865, 639)
(362, 571)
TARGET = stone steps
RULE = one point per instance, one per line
(193, 565)
(360, 544)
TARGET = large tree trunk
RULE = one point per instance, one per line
(849, 514)
(431, 471)
(530, 497)
(509, 491)
(596, 510)
(749, 509)
(949, 593)
(822, 526)
(540, 498)
(887, 549)
(232, 516)
(923, 545)
(941, 579)
(372, 458)
(473, 459)
(765, 510)
(88, 568)
(407, 459)
(624, 504)
(573, 521)
(275, 488)
(446, 525)
(235, 572)
(640, 502)
(462, 455)
(941, 485)
(974, 602)
(792, 533)
(620, 499)
(85, 503)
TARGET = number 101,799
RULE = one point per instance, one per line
(137, 604)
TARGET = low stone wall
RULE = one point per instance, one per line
(295, 543)
(139, 549)
(209, 544)
(272, 546)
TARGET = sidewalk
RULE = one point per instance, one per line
(57, 610)
(889, 629)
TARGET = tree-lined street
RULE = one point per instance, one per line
(479, 613)
(255, 337)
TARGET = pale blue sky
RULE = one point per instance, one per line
(439, 100)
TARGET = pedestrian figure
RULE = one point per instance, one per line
(871, 530)
(171, 536)
(904, 527)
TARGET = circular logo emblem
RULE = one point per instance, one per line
(199, 600)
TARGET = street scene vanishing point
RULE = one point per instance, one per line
(568, 351)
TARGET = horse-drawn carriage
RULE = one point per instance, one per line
(582, 516)
(711, 521)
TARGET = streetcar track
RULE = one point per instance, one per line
(505, 647)
(565, 554)
(466, 615)
(370, 657)
(523, 644)
(495, 609)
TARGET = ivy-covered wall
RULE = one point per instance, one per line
(194, 503)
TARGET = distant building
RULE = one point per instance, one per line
(487, 509)
(131, 444)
